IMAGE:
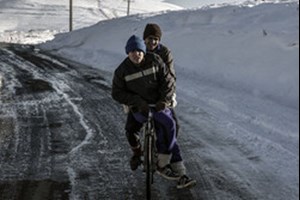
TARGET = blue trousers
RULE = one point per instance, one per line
(165, 126)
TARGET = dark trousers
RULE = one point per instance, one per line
(166, 129)
(133, 127)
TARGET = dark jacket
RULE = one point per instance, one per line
(150, 82)
(165, 54)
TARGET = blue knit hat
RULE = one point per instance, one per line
(135, 43)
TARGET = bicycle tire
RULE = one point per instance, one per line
(148, 166)
(149, 154)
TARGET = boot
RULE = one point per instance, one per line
(135, 160)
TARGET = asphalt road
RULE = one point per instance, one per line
(61, 135)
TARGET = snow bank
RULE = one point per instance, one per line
(243, 48)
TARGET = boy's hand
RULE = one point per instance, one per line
(160, 106)
(144, 109)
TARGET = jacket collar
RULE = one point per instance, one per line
(157, 49)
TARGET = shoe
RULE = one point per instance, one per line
(168, 173)
(135, 161)
(185, 182)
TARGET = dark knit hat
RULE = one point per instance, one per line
(135, 43)
(152, 29)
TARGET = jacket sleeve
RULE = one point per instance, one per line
(120, 93)
(168, 60)
(167, 84)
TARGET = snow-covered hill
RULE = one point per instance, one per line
(54, 15)
(255, 48)
(34, 21)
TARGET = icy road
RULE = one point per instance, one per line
(61, 137)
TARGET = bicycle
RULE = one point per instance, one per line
(149, 153)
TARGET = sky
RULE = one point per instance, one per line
(237, 67)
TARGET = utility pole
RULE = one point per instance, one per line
(128, 7)
(71, 16)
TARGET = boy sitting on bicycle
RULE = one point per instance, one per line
(142, 79)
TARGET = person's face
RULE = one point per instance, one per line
(151, 42)
(136, 56)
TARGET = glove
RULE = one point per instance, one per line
(144, 109)
(160, 106)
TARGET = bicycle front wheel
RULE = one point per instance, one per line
(149, 165)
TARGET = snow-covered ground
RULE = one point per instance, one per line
(237, 68)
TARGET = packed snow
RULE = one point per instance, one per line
(237, 65)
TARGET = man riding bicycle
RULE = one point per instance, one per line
(142, 79)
